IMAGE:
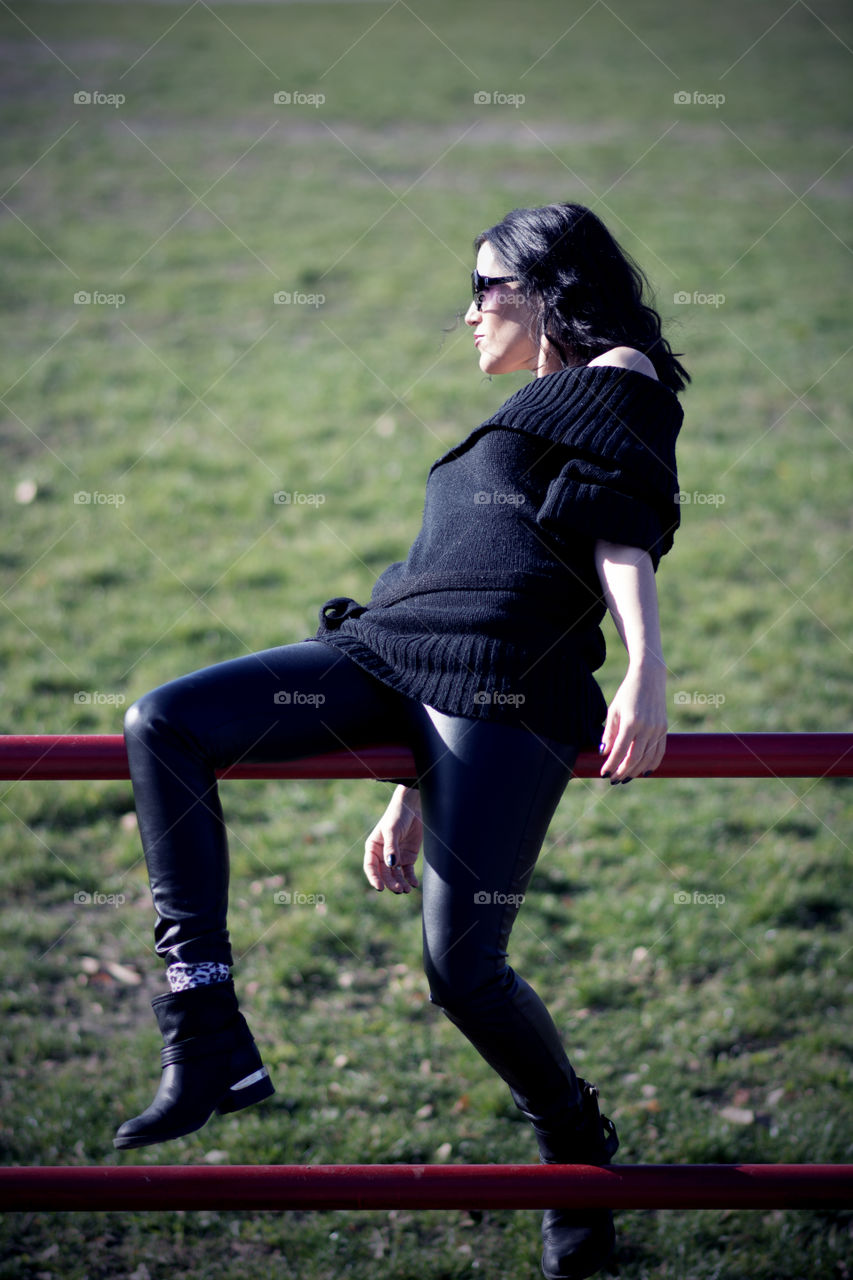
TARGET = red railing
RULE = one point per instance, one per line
(688, 755)
(393, 1186)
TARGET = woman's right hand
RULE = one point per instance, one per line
(391, 849)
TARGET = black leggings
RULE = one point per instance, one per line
(488, 793)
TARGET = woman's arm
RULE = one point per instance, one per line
(634, 736)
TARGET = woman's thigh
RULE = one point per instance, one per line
(276, 704)
(488, 793)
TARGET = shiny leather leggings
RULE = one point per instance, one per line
(488, 793)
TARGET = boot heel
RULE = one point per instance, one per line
(252, 1088)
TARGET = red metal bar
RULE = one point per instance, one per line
(688, 755)
(388, 1186)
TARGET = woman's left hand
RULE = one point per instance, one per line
(634, 738)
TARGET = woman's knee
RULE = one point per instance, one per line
(155, 712)
(456, 986)
(139, 717)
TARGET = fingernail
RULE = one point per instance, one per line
(601, 748)
(648, 773)
(391, 860)
(606, 773)
(625, 781)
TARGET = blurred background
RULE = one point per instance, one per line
(236, 242)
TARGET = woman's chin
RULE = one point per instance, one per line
(490, 364)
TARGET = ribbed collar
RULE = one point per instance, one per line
(603, 410)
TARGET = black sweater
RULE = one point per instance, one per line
(495, 612)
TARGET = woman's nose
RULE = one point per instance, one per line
(472, 315)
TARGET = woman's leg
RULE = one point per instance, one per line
(488, 793)
(274, 705)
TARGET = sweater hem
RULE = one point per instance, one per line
(477, 698)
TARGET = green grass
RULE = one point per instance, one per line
(199, 397)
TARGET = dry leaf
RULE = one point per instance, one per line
(123, 973)
(737, 1115)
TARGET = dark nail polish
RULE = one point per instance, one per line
(625, 781)
(606, 775)
(648, 773)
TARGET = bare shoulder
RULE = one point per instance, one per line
(627, 358)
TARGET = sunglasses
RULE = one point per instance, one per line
(479, 284)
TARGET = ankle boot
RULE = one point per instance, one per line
(576, 1242)
(210, 1063)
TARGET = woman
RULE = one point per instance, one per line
(478, 651)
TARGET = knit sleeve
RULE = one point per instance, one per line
(600, 498)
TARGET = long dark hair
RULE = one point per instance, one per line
(590, 290)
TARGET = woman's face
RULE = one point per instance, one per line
(504, 323)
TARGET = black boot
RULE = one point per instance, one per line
(576, 1242)
(210, 1063)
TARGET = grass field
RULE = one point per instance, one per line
(145, 433)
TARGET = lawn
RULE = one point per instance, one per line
(146, 431)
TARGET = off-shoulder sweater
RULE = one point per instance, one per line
(495, 612)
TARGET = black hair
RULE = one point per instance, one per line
(591, 291)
